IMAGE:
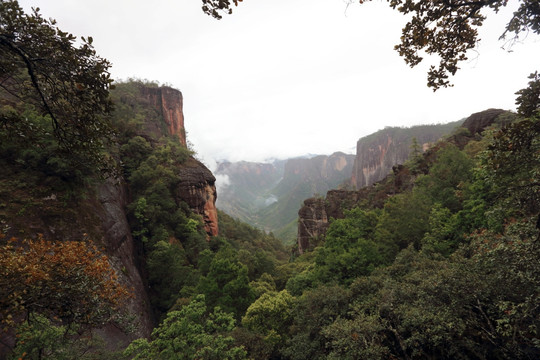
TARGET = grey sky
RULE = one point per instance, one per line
(281, 78)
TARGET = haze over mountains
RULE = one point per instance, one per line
(269, 195)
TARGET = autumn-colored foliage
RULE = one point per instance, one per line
(70, 282)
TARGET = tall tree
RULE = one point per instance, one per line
(70, 282)
(42, 68)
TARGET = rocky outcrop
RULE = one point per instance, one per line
(169, 104)
(312, 223)
(197, 188)
(377, 153)
(478, 122)
(98, 212)
(315, 214)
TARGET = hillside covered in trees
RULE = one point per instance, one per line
(111, 246)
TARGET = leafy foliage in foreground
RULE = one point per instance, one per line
(71, 281)
(41, 68)
(190, 333)
(53, 293)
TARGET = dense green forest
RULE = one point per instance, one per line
(446, 268)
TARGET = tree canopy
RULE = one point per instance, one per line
(45, 69)
(71, 282)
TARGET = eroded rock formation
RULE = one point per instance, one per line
(312, 223)
(477, 122)
(198, 189)
(98, 216)
(116, 235)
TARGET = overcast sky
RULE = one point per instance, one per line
(282, 78)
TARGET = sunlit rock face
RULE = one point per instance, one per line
(169, 104)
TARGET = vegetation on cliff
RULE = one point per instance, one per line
(422, 275)
(445, 265)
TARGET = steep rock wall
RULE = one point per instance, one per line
(377, 153)
(312, 223)
(315, 213)
(169, 103)
(116, 235)
(197, 187)
(377, 175)
(100, 214)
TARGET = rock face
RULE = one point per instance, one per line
(116, 235)
(101, 213)
(378, 152)
(198, 189)
(312, 223)
(169, 103)
(100, 216)
(314, 215)
(477, 122)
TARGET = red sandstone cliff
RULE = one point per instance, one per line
(169, 103)
(101, 213)
(197, 187)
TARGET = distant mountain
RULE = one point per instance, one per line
(268, 195)
(378, 152)
(246, 187)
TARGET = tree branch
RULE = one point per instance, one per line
(24, 57)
